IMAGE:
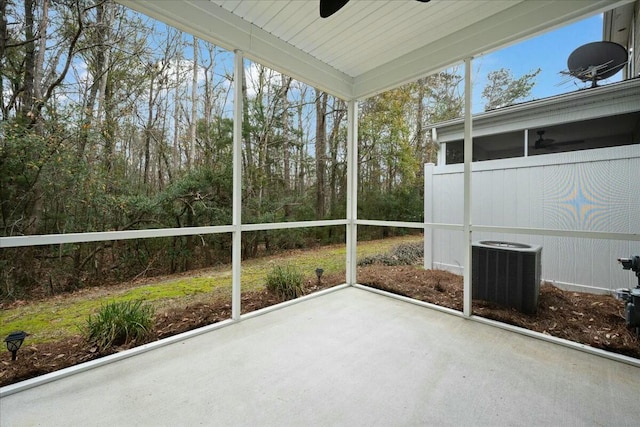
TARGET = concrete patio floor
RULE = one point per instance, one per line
(349, 357)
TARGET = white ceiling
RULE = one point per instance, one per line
(369, 45)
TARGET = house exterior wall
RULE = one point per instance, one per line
(604, 101)
(635, 35)
(570, 109)
(592, 190)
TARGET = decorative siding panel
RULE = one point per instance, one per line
(636, 41)
(592, 190)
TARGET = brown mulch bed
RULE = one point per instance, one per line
(595, 320)
(35, 360)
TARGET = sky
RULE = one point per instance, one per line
(549, 52)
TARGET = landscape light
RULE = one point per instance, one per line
(319, 272)
(14, 341)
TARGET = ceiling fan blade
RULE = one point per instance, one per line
(329, 7)
(574, 142)
(549, 143)
(543, 143)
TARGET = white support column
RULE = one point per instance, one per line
(352, 190)
(428, 216)
(468, 156)
(526, 142)
(442, 148)
(236, 255)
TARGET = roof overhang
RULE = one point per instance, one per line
(617, 24)
(369, 46)
(593, 103)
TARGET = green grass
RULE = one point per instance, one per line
(57, 318)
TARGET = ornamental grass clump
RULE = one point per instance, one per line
(408, 253)
(402, 254)
(119, 323)
(286, 282)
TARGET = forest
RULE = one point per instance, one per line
(113, 121)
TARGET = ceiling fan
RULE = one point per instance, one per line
(548, 143)
(542, 142)
(329, 7)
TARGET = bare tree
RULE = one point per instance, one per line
(321, 146)
(194, 104)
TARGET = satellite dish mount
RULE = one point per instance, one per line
(597, 61)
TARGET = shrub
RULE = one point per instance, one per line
(287, 282)
(119, 323)
(408, 253)
(402, 254)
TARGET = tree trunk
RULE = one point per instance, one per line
(338, 116)
(246, 134)
(34, 63)
(419, 144)
(321, 141)
(108, 129)
(103, 22)
(147, 136)
(212, 152)
(176, 123)
(302, 148)
(286, 81)
(4, 36)
(42, 46)
(194, 104)
(29, 61)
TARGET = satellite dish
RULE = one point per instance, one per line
(597, 61)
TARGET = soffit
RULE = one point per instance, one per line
(617, 25)
(369, 45)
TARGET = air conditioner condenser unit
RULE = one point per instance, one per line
(507, 274)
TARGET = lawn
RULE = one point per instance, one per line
(62, 316)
